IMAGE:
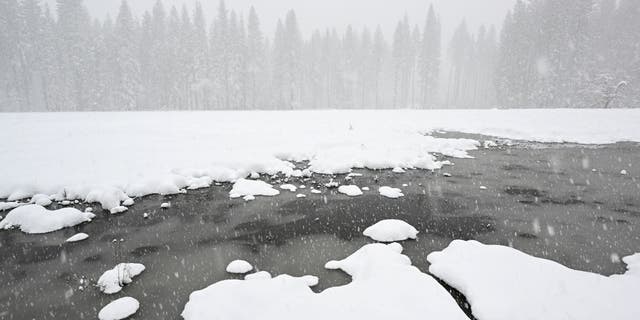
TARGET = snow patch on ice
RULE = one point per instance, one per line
(391, 230)
(350, 190)
(113, 280)
(119, 309)
(289, 187)
(244, 187)
(393, 193)
(239, 266)
(78, 237)
(492, 277)
(37, 219)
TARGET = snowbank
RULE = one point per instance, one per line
(9, 205)
(391, 230)
(37, 219)
(178, 150)
(393, 193)
(119, 309)
(502, 283)
(244, 187)
(239, 266)
(113, 280)
(384, 286)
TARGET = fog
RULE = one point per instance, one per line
(338, 13)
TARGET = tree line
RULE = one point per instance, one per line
(549, 53)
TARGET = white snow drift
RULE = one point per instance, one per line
(384, 286)
(37, 219)
(178, 150)
(502, 283)
(113, 280)
(391, 230)
(119, 309)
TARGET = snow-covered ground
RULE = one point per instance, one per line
(110, 157)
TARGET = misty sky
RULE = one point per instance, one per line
(339, 13)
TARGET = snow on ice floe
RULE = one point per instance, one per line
(244, 187)
(113, 280)
(208, 150)
(350, 190)
(502, 283)
(37, 219)
(239, 266)
(393, 193)
(119, 309)
(78, 237)
(289, 187)
(391, 230)
(384, 286)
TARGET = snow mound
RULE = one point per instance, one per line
(244, 187)
(41, 200)
(113, 280)
(384, 286)
(351, 190)
(239, 266)
(37, 219)
(391, 230)
(393, 193)
(119, 309)
(260, 275)
(503, 283)
(289, 187)
(118, 209)
(78, 237)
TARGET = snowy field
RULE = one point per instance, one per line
(111, 157)
(63, 160)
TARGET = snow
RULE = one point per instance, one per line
(398, 170)
(289, 187)
(37, 219)
(113, 280)
(493, 277)
(384, 286)
(244, 187)
(119, 309)
(118, 209)
(391, 230)
(128, 202)
(198, 147)
(9, 205)
(41, 200)
(393, 193)
(165, 205)
(316, 191)
(260, 275)
(78, 237)
(239, 266)
(624, 172)
(301, 195)
(350, 190)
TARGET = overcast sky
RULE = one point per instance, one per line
(314, 14)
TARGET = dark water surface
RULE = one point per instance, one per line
(545, 200)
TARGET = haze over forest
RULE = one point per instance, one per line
(544, 53)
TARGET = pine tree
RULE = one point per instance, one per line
(429, 60)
